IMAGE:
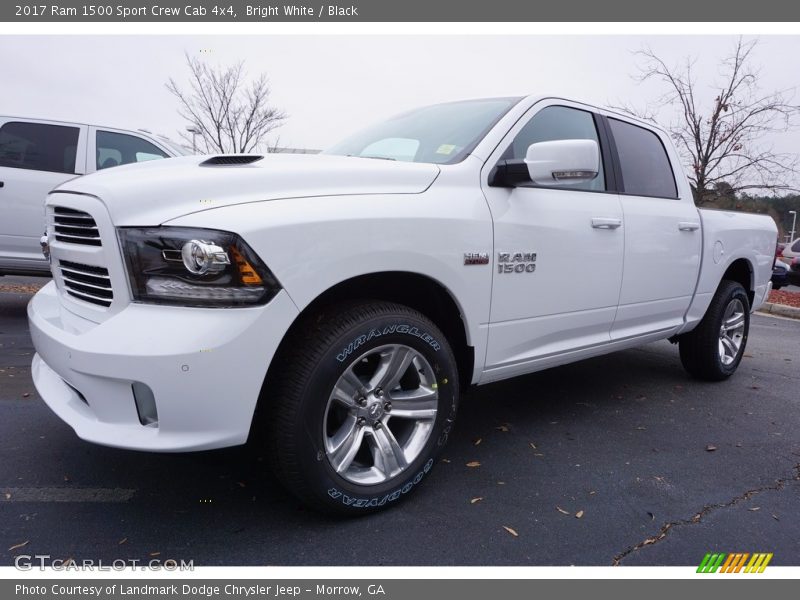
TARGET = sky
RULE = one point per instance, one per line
(331, 86)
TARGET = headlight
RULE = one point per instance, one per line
(194, 267)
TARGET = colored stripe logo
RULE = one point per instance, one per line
(739, 562)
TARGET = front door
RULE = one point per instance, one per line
(558, 252)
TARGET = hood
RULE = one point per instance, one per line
(153, 192)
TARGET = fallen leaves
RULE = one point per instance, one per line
(532, 445)
(155, 554)
(503, 427)
(26, 395)
(562, 511)
(122, 541)
(477, 442)
(476, 500)
(579, 514)
(7, 495)
(511, 531)
(18, 546)
(473, 463)
(754, 509)
(711, 448)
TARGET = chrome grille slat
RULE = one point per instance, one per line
(83, 274)
(89, 298)
(88, 283)
(79, 282)
(85, 226)
(73, 226)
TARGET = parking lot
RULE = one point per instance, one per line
(617, 460)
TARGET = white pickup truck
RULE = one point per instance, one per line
(338, 303)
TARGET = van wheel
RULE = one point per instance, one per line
(714, 349)
(359, 404)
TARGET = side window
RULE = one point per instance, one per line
(646, 170)
(38, 146)
(115, 149)
(558, 123)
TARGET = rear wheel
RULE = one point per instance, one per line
(361, 402)
(714, 349)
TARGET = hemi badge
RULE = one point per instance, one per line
(476, 258)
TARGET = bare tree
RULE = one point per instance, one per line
(228, 114)
(725, 142)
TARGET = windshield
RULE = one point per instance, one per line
(443, 133)
(177, 148)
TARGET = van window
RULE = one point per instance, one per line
(38, 146)
(643, 160)
(115, 149)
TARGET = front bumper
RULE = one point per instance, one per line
(205, 368)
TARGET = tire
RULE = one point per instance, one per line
(713, 350)
(350, 430)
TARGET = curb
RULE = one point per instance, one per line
(780, 309)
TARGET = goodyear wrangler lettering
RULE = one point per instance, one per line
(374, 333)
(380, 500)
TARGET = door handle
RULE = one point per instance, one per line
(688, 226)
(606, 223)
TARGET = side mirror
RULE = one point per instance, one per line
(563, 162)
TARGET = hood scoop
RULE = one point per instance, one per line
(229, 160)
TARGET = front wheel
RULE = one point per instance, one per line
(362, 400)
(714, 349)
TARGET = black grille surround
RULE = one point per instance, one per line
(86, 282)
(75, 227)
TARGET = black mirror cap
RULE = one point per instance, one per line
(509, 173)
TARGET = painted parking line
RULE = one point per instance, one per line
(65, 494)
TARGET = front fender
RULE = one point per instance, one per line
(312, 244)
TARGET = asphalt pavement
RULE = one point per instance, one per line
(621, 459)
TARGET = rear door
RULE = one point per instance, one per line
(111, 148)
(562, 293)
(35, 157)
(663, 237)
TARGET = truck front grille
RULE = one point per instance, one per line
(75, 227)
(86, 282)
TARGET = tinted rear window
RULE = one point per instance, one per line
(38, 146)
(646, 170)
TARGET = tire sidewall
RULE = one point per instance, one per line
(329, 487)
(739, 293)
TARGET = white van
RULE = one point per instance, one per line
(36, 155)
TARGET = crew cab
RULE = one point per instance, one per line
(36, 155)
(334, 305)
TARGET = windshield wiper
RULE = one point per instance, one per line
(367, 156)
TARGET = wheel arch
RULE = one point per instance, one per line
(420, 292)
(417, 291)
(741, 271)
